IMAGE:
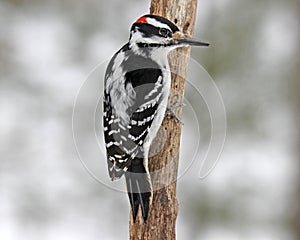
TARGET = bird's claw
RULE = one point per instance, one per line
(171, 112)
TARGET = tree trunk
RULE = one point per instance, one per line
(163, 165)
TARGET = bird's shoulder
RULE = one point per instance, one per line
(129, 62)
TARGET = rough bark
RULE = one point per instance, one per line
(163, 164)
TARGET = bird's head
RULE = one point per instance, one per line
(153, 31)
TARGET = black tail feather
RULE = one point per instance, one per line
(139, 193)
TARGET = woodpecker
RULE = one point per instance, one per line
(137, 84)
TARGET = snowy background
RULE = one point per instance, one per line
(47, 50)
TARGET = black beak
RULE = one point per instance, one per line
(192, 42)
(181, 39)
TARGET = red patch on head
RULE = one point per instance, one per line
(142, 20)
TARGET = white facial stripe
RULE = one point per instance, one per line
(155, 23)
(138, 37)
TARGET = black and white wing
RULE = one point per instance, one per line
(131, 104)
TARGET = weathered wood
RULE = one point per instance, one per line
(163, 164)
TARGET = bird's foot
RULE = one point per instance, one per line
(172, 112)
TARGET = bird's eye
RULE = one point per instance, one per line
(164, 32)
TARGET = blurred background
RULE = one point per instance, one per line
(47, 48)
